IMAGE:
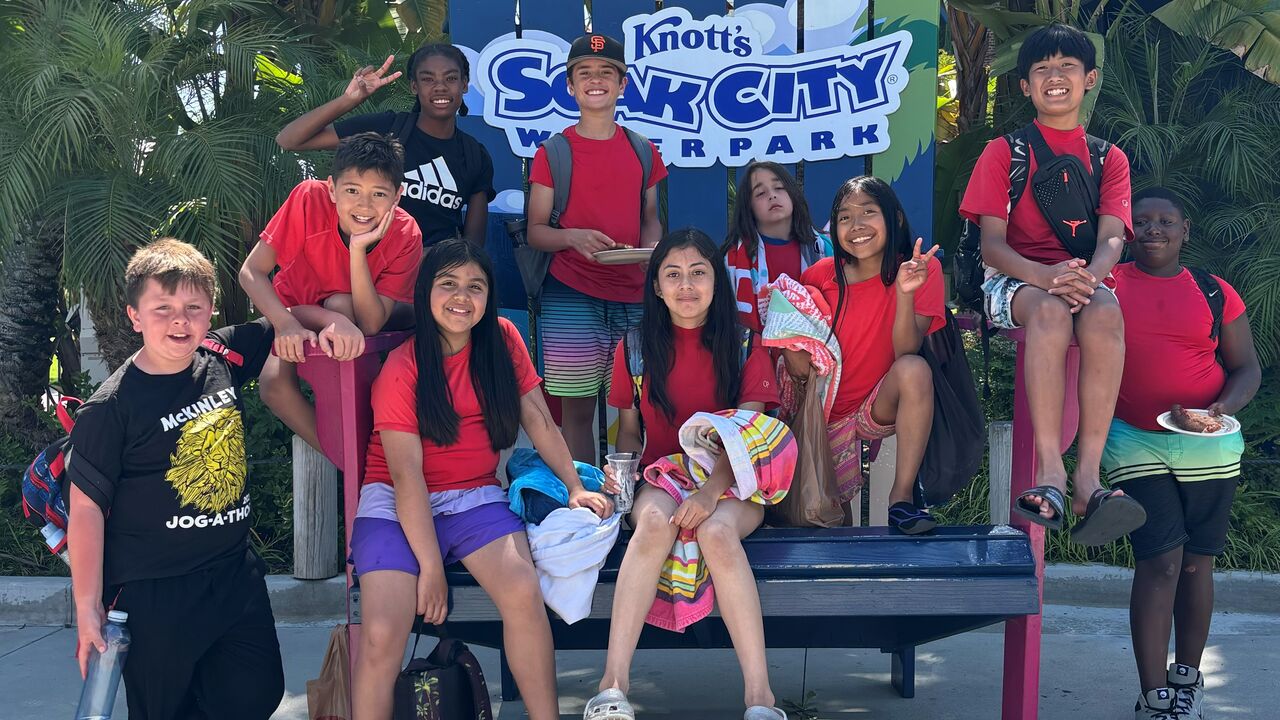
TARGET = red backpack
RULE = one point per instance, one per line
(44, 500)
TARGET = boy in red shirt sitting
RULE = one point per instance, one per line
(1178, 323)
(1034, 281)
(346, 253)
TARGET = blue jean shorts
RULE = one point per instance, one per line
(998, 291)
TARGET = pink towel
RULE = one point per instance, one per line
(797, 317)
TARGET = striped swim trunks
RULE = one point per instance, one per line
(578, 336)
(1134, 453)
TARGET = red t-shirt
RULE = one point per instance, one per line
(1029, 233)
(471, 461)
(865, 328)
(691, 387)
(314, 261)
(604, 195)
(781, 256)
(1168, 356)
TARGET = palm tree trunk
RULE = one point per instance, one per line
(972, 43)
(28, 322)
(114, 333)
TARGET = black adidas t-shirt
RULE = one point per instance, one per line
(438, 181)
(164, 457)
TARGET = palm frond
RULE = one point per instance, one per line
(1252, 272)
(108, 217)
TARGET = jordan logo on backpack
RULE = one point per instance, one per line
(432, 182)
(1073, 224)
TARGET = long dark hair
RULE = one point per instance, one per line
(897, 246)
(720, 335)
(744, 228)
(492, 373)
(443, 50)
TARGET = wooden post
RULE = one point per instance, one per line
(315, 514)
(1000, 469)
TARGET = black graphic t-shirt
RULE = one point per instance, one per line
(164, 457)
(438, 179)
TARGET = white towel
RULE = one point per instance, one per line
(569, 547)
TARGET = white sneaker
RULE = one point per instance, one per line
(1188, 683)
(1157, 704)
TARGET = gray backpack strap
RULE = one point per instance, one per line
(560, 162)
(642, 147)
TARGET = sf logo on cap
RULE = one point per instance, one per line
(597, 43)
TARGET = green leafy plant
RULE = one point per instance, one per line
(1190, 118)
(1248, 28)
(804, 709)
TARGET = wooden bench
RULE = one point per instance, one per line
(821, 588)
(856, 587)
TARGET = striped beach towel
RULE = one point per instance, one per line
(798, 318)
(762, 452)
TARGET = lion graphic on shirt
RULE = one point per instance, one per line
(208, 464)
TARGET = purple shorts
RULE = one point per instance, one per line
(380, 544)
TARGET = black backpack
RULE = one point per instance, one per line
(1212, 291)
(1067, 193)
(533, 263)
(958, 437)
(445, 685)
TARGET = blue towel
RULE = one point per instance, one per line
(536, 491)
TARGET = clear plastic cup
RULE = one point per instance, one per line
(625, 468)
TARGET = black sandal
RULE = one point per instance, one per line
(1049, 494)
(907, 518)
(1108, 518)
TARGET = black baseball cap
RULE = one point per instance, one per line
(601, 47)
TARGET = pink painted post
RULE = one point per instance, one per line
(1022, 634)
(344, 420)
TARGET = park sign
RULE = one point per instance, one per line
(705, 91)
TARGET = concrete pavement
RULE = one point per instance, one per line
(1087, 672)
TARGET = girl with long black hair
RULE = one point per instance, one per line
(445, 168)
(885, 297)
(691, 347)
(445, 404)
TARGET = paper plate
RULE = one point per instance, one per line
(1230, 425)
(623, 256)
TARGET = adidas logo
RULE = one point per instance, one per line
(432, 182)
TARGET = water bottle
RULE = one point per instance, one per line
(56, 538)
(98, 698)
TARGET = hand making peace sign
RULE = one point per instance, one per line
(366, 81)
(912, 273)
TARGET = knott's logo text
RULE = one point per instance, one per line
(704, 91)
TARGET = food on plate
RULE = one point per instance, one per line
(1194, 421)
